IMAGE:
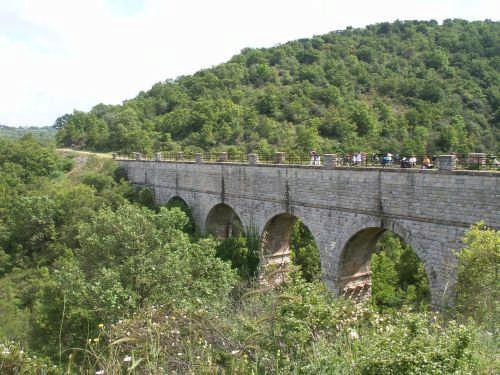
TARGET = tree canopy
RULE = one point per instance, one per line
(408, 87)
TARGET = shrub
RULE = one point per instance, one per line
(14, 360)
(478, 284)
(305, 252)
(237, 251)
(127, 258)
(398, 276)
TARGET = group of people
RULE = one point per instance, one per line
(406, 162)
(386, 159)
(410, 162)
(357, 158)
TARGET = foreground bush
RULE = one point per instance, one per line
(14, 360)
(127, 259)
(299, 329)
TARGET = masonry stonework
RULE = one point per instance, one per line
(346, 209)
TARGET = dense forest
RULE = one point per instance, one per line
(406, 87)
(97, 279)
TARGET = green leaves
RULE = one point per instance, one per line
(242, 258)
(398, 276)
(384, 281)
(128, 258)
(28, 159)
(478, 284)
(304, 252)
(423, 73)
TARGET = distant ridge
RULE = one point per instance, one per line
(44, 133)
(24, 127)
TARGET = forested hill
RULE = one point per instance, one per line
(44, 134)
(410, 86)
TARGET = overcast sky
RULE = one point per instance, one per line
(61, 55)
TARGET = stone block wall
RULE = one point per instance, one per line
(429, 209)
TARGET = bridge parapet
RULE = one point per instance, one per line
(472, 161)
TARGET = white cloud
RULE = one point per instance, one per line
(58, 55)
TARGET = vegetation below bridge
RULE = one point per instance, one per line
(94, 278)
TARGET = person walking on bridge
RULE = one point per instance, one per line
(426, 163)
(314, 158)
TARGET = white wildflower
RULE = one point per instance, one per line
(127, 358)
(353, 334)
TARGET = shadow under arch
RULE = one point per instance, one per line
(223, 222)
(355, 276)
(175, 201)
(179, 202)
(280, 233)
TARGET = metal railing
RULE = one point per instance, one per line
(471, 161)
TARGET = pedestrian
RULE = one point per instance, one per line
(359, 158)
(389, 158)
(426, 163)
(314, 158)
(404, 162)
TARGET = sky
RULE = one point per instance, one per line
(60, 55)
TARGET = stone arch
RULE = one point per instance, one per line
(354, 274)
(276, 238)
(223, 222)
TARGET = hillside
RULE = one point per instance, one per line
(409, 87)
(41, 133)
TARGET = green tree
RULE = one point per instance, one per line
(240, 254)
(127, 258)
(398, 275)
(478, 284)
(364, 119)
(307, 139)
(305, 252)
(384, 281)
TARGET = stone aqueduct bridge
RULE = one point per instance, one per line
(346, 210)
